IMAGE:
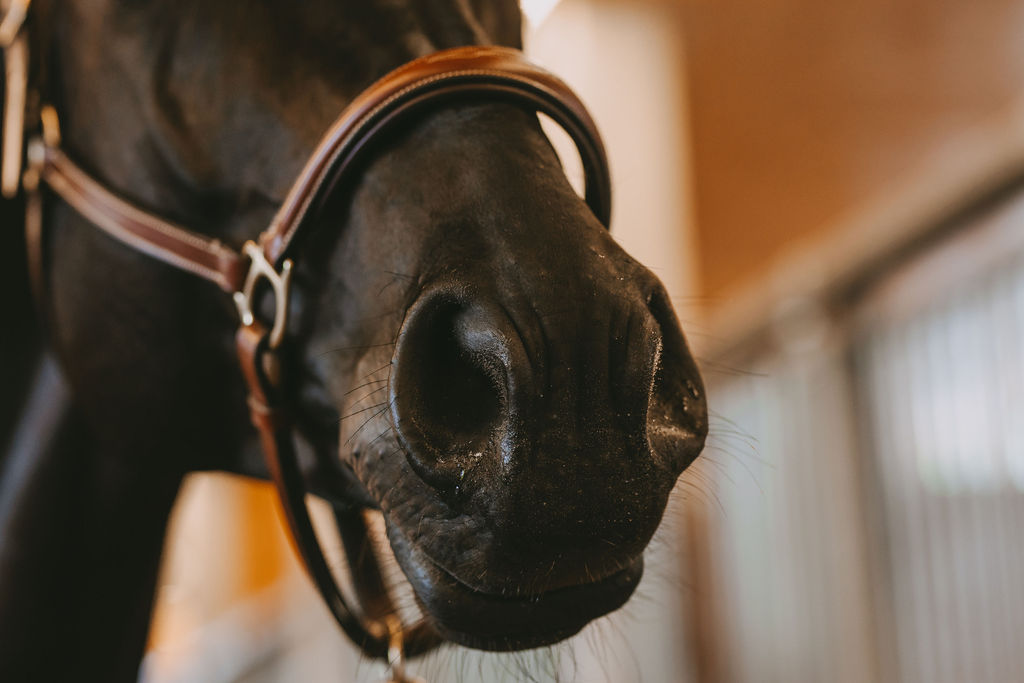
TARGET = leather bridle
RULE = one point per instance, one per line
(454, 75)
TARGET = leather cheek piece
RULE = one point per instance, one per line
(459, 74)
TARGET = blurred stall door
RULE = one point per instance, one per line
(942, 363)
(868, 500)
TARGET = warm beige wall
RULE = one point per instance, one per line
(626, 60)
(804, 111)
(226, 545)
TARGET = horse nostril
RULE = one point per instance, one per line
(457, 399)
(449, 388)
(677, 413)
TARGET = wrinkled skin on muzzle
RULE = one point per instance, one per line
(517, 396)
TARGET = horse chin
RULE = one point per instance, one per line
(514, 620)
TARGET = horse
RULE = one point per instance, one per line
(471, 353)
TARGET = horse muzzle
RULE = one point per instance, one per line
(544, 453)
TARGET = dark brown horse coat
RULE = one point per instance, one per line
(525, 398)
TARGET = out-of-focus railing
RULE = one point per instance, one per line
(867, 472)
(941, 369)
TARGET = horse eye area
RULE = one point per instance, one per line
(448, 387)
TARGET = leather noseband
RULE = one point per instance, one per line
(455, 75)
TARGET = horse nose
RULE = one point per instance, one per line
(458, 367)
(603, 396)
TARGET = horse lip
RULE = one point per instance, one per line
(528, 597)
(499, 622)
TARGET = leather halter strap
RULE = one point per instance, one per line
(476, 73)
(471, 72)
(459, 74)
(161, 239)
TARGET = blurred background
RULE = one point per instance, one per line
(833, 193)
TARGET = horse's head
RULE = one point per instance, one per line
(514, 391)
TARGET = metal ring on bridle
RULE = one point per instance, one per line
(261, 269)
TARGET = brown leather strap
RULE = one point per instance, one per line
(165, 241)
(34, 250)
(370, 632)
(476, 72)
(479, 73)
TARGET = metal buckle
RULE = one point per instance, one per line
(261, 268)
(37, 146)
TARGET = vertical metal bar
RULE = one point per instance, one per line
(884, 542)
(907, 389)
(998, 328)
(945, 570)
(1011, 369)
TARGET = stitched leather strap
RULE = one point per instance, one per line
(479, 73)
(161, 239)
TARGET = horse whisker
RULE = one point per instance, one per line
(365, 384)
(361, 410)
(368, 420)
